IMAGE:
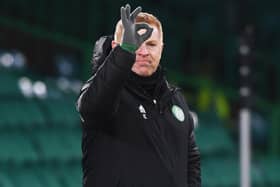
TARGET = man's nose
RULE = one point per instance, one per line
(142, 50)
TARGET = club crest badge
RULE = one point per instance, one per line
(178, 113)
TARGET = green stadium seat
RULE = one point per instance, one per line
(5, 181)
(25, 178)
(37, 175)
(48, 176)
(270, 169)
(257, 177)
(61, 112)
(225, 172)
(58, 146)
(220, 173)
(72, 139)
(21, 113)
(16, 148)
(214, 141)
(71, 176)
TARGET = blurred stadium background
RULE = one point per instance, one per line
(45, 49)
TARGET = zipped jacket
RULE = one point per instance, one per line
(131, 139)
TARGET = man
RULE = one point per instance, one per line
(137, 130)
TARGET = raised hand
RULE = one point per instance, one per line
(132, 40)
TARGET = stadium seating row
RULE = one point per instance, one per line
(40, 146)
(42, 176)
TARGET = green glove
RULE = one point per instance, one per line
(132, 40)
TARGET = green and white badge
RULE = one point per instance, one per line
(178, 113)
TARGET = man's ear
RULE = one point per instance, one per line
(114, 44)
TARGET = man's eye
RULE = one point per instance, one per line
(152, 44)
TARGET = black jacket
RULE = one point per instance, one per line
(131, 139)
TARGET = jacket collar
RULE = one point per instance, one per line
(163, 91)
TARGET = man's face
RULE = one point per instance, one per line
(148, 54)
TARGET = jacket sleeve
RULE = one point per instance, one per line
(98, 96)
(194, 173)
